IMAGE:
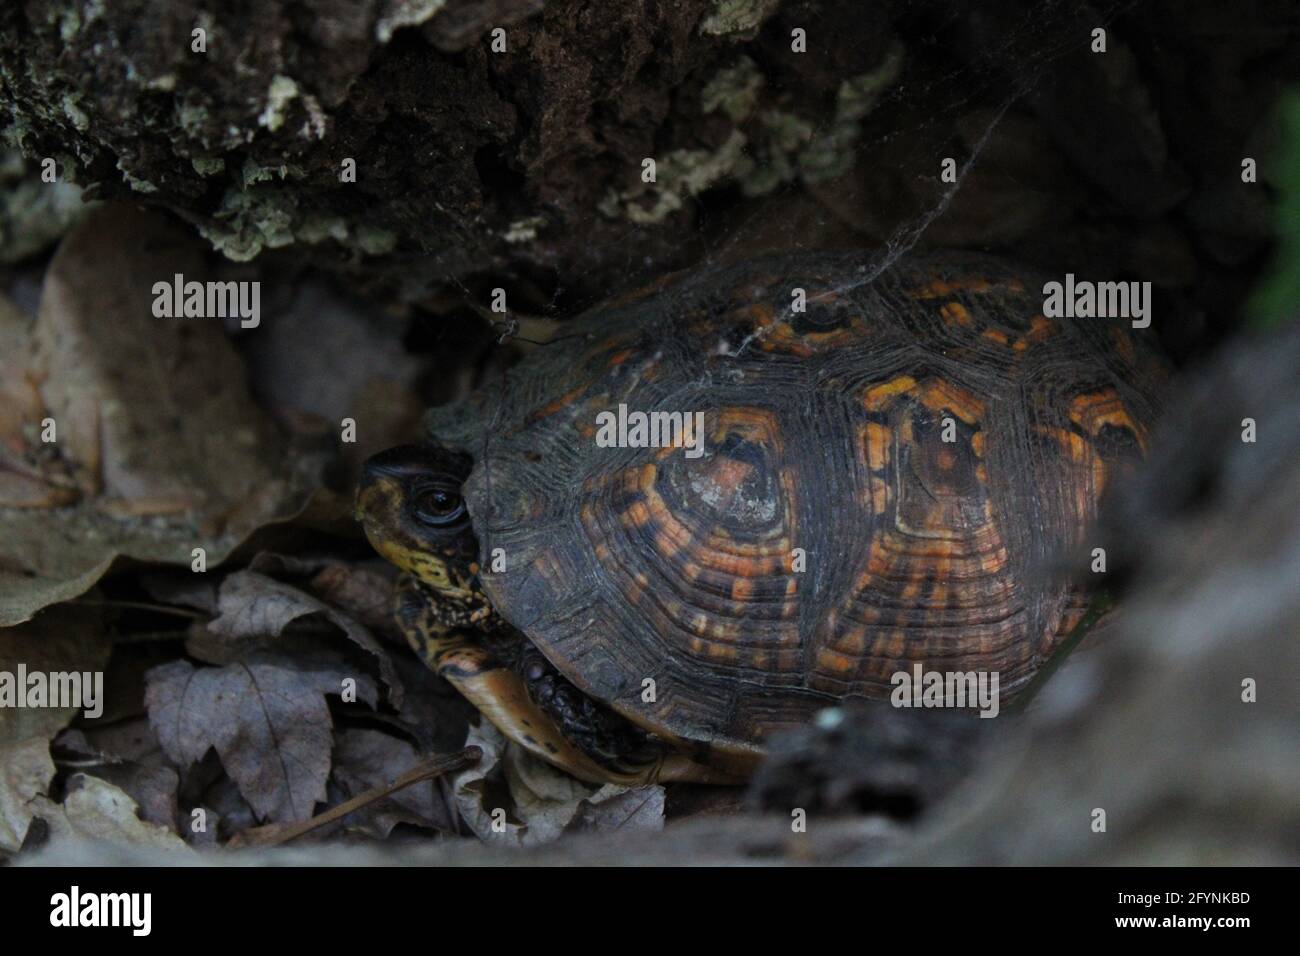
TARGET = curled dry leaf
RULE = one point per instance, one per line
(60, 640)
(265, 716)
(95, 810)
(127, 755)
(152, 415)
(513, 798)
(26, 770)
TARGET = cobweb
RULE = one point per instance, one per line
(974, 63)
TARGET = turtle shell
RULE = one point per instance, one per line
(889, 477)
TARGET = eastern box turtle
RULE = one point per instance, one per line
(888, 477)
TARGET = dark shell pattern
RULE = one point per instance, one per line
(824, 432)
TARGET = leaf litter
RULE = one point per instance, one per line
(270, 694)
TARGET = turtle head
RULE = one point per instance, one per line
(410, 504)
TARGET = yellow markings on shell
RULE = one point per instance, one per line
(831, 660)
(1074, 446)
(666, 544)
(878, 396)
(638, 514)
(852, 641)
(954, 313)
(879, 491)
(938, 288)
(938, 396)
(879, 439)
(1095, 410)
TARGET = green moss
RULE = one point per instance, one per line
(405, 13)
(524, 230)
(75, 113)
(683, 172)
(139, 185)
(33, 214)
(737, 18)
(734, 90)
(249, 222)
(191, 118)
(831, 153)
(253, 173)
(281, 92)
(317, 228)
(208, 165)
(374, 241)
(69, 20)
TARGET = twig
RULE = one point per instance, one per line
(275, 834)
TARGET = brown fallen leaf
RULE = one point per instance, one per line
(96, 811)
(26, 770)
(61, 639)
(253, 606)
(365, 591)
(538, 803)
(366, 759)
(423, 772)
(265, 716)
(32, 474)
(148, 405)
(127, 755)
(154, 416)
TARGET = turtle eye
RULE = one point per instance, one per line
(438, 507)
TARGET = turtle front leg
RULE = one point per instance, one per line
(533, 705)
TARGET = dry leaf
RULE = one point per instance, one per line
(97, 811)
(619, 808)
(364, 591)
(433, 711)
(31, 473)
(26, 770)
(365, 759)
(130, 758)
(152, 409)
(265, 716)
(540, 802)
(61, 639)
(252, 605)
(153, 414)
